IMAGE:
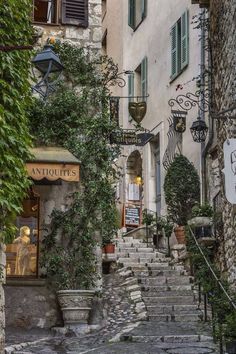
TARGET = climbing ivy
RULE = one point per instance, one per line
(76, 117)
(15, 30)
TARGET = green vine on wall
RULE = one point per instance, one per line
(77, 117)
(15, 97)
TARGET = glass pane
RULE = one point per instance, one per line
(22, 253)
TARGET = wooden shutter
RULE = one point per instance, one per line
(144, 8)
(144, 77)
(174, 50)
(184, 40)
(130, 90)
(75, 12)
(131, 14)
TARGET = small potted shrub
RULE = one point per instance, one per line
(182, 192)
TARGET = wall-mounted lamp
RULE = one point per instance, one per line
(138, 180)
(47, 63)
(199, 130)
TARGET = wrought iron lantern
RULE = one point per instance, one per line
(47, 63)
(199, 130)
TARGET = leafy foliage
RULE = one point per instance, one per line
(224, 317)
(182, 189)
(77, 118)
(15, 30)
(202, 210)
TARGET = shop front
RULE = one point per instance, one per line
(29, 301)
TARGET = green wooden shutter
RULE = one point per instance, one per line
(144, 77)
(131, 14)
(184, 39)
(144, 8)
(130, 90)
(174, 50)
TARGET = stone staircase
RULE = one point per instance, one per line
(173, 313)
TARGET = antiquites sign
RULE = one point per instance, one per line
(230, 169)
(53, 171)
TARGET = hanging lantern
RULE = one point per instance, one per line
(199, 130)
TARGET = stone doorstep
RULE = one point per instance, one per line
(175, 300)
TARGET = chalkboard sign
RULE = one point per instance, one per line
(132, 215)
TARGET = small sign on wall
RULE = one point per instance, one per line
(132, 215)
(229, 170)
(134, 192)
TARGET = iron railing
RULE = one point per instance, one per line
(220, 286)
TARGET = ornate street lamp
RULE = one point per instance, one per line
(199, 130)
(47, 62)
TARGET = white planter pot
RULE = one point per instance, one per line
(200, 221)
(75, 305)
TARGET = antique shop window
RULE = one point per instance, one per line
(22, 252)
(137, 12)
(179, 45)
(67, 12)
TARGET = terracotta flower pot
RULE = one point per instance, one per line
(180, 234)
(110, 248)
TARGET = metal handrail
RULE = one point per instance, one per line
(212, 271)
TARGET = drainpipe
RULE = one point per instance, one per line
(205, 148)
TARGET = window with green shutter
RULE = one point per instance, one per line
(130, 89)
(137, 12)
(144, 77)
(179, 45)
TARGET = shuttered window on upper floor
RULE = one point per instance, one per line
(179, 45)
(137, 11)
(75, 12)
(67, 12)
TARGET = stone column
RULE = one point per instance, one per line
(2, 300)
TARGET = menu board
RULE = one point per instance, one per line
(132, 215)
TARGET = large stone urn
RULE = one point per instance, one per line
(75, 306)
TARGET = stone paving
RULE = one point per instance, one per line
(148, 287)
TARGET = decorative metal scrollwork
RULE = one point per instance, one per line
(174, 145)
(199, 99)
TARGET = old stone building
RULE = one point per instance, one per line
(29, 303)
(222, 88)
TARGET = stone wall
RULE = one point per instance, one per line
(84, 37)
(223, 45)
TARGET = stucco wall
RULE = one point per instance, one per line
(152, 39)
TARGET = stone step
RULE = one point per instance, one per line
(167, 293)
(185, 338)
(167, 287)
(148, 255)
(180, 300)
(161, 280)
(173, 309)
(193, 317)
(165, 272)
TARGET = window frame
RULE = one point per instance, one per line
(132, 12)
(57, 19)
(179, 34)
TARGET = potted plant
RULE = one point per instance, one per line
(201, 220)
(69, 261)
(182, 192)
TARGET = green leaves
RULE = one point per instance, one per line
(77, 118)
(182, 189)
(15, 29)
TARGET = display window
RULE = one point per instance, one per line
(23, 251)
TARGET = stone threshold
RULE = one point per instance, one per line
(25, 282)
